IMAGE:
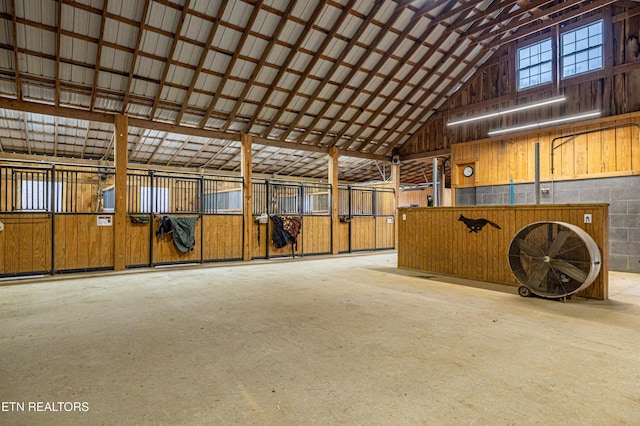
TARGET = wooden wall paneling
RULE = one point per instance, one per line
(342, 237)
(580, 160)
(385, 232)
(222, 239)
(41, 246)
(623, 148)
(594, 152)
(363, 233)
(608, 151)
(138, 242)
(317, 234)
(259, 248)
(25, 244)
(635, 148)
(88, 249)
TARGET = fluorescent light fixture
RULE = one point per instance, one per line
(545, 123)
(511, 110)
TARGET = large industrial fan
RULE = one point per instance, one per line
(553, 259)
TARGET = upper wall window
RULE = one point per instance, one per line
(535, 64)
(582, 50)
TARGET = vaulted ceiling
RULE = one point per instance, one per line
(300, 76)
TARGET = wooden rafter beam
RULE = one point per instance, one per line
(261, 63)
(96, 70)
(305, 74)
(232, 62)
(354, 69)
(179, 150)
(214, 156)
(285, 65)
(417, 66)
(415, 19)
(201, 61)
(86, 138)
(337, 62)
(157, 148)
(169, 60)
(16, 58)
(58, 44)
(134, 58)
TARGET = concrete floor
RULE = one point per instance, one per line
(342, 340)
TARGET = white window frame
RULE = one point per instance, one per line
(33, 196)
(580, 46)
(535, 60)
(161, 199)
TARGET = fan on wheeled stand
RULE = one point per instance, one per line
(553, 259)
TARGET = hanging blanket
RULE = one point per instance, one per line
(279, 236)
(285, 231)
(183, 229)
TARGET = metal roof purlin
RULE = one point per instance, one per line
(169, 60)
(336, 64)
(96, 70)
(259, 65)
(135, 56)
(305, 74)
(354, 69)
(285, 65)
(396, 43)
(434, 47)
(201, 61)
(232, 62)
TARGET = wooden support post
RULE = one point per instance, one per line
(247, 176)
(334, 154)
(395, 180)
(121, 152)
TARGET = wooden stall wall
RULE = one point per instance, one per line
(363, 233)
(316, 234)
(222, 238)
(138, 242)
(599, 153)
(613, 90)
(435, 241)
(414, 197)
(25, 244)
(80, 243)
(342, 239)
(385, 232)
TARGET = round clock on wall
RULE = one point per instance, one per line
(468, 171)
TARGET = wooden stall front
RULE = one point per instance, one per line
(25, 244)
(434, 240)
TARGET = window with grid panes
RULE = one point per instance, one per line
(582, 50)
(535, 64)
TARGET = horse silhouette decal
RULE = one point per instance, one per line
(476, 225)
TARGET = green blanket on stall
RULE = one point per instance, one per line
(184, 232)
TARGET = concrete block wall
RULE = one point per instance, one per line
(621, 193)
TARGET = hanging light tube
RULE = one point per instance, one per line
(511, 110)
(545, 123)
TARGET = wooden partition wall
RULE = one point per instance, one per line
(434, 240)
(25, 244)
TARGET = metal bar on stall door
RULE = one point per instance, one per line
(349, 189)
(200, 188)
(53, 225)
(150, 178)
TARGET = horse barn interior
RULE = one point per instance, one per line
(319, 212)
